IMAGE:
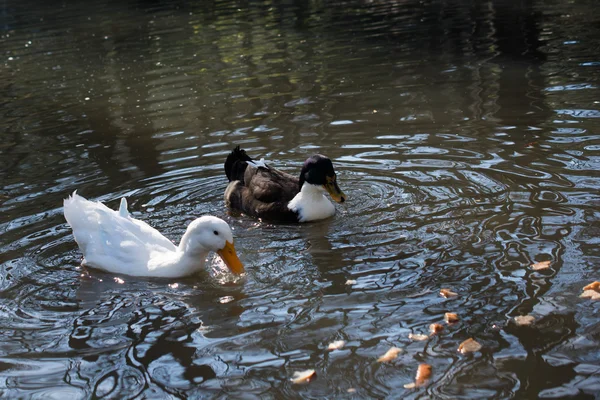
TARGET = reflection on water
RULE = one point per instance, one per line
(463, 133)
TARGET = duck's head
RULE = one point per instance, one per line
(209, 233)
(318, 170)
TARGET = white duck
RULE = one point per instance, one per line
(115, 242)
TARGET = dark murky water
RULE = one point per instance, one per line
(464, 133)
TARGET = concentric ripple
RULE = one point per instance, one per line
(464, 134)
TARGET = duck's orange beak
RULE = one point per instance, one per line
(231, 259)
(334, 190)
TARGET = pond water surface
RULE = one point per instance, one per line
(465, 135)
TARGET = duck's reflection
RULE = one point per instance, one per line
(330, 244)
(162, 329)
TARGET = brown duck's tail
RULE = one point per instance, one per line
(236, 164)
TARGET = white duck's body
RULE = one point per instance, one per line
(113, 241)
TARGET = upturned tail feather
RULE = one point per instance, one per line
(236, 164)
(123, 208)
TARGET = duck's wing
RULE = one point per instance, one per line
(265, 183)
(265, 194)
(111, 241)
(239, 197)
(270, 185)
(257, 189)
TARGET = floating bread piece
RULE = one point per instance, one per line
(469, 346)
(350, 282)
(592, 294)
(226, 299)
(593, 286)
(448, 293)
(417, 336)
(541, 265)
(450, 317)
(423, 375)
(338, 344)
(524, 320)
(436, 328)
(390, 355)
(351, 390)
(303, 376)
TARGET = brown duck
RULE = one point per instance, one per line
(261, 191)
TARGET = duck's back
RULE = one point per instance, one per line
(111, 240)
(270, 185)
(263, 193)
(259, 190)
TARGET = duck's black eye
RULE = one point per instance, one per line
(216, 233)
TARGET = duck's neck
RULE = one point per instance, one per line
(186, 245)
(190, 256)
(311, 203)
(176, 263)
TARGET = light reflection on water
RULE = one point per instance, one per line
(464, 136)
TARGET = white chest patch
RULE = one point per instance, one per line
(311, 204)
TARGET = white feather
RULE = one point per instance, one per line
(123, 212)
(115, 242)
(311, 203)
(258, 164)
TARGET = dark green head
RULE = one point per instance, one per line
(318, 170)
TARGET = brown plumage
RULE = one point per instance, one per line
(265, 192)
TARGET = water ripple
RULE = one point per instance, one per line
(462, 135)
